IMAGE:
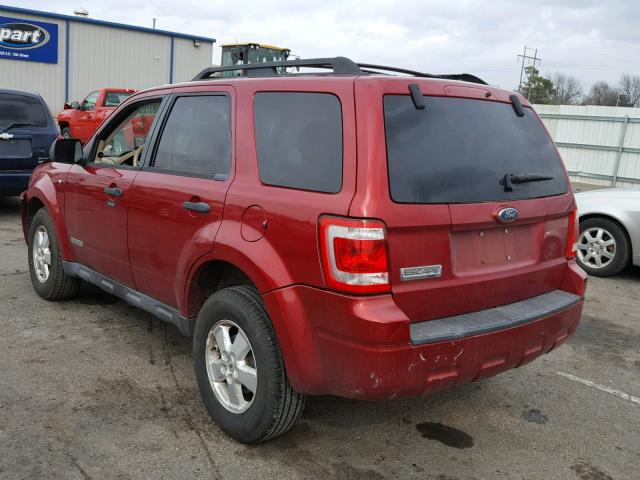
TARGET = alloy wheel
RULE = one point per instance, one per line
(596, 247)
(231, 366)
(41, 254)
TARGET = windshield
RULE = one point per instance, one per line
(266, 55)
(20, 109)
(113, 99)
(253, 55)
(459, 151)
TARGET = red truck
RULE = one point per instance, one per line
(80, 120)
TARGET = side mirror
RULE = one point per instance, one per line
(66, 150)
(75, 105)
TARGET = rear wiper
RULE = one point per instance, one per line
(514, 178)
(17, 124)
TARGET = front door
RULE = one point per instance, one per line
(177, 201)
(98, 194)
(86, 122)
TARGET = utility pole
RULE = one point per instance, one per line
(531, 60)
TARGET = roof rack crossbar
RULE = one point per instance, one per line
(339, 65)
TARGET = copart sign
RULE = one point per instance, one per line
(28, 40)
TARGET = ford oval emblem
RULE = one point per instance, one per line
(507, 215)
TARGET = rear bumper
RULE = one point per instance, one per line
(13, 183)
(362, 347)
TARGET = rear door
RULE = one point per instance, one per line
(86, 117)
(450, 250)
(177, 201)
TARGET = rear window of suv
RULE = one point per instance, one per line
(21, 109)
(299, 140)
(458, 151)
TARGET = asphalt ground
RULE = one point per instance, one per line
(93, 388)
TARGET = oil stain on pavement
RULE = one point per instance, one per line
(534, 415)
(450, 436)
(586, 471)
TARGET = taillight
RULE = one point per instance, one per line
(572, 235)
(354, 254)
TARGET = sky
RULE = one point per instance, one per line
(591, 40)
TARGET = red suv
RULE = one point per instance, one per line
(349, 232)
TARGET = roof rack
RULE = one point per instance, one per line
(339, 66)
(463, 77)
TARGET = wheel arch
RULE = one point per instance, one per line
(214, 274)
(208, 277)
(33, 205)
(42, 194)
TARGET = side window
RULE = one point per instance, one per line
(89, 103)
(113, 99)
(196, 138)
(299, 140)
(123, 144)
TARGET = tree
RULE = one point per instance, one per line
(602, 93)
(536, 88)
(566, 90)
(630, 88)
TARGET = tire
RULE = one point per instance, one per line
(56, 284)
(604, 248)
(274, 407)
(66, 132)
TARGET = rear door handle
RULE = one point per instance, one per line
(200, 207)
(113, 191)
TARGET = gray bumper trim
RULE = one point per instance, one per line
(492, 319)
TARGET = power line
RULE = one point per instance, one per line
(532, 63)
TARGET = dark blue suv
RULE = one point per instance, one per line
(27, 131)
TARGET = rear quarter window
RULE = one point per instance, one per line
(299, 140)
(458, 151)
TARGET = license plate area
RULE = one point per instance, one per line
(15, 148)
(496, 248)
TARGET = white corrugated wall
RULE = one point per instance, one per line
(45, 78)
(597, 144)
(104, 56)
(189, 59)
(112, 57)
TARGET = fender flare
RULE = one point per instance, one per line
(44, 190)
(246, 261)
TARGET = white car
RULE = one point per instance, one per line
(609, 230)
